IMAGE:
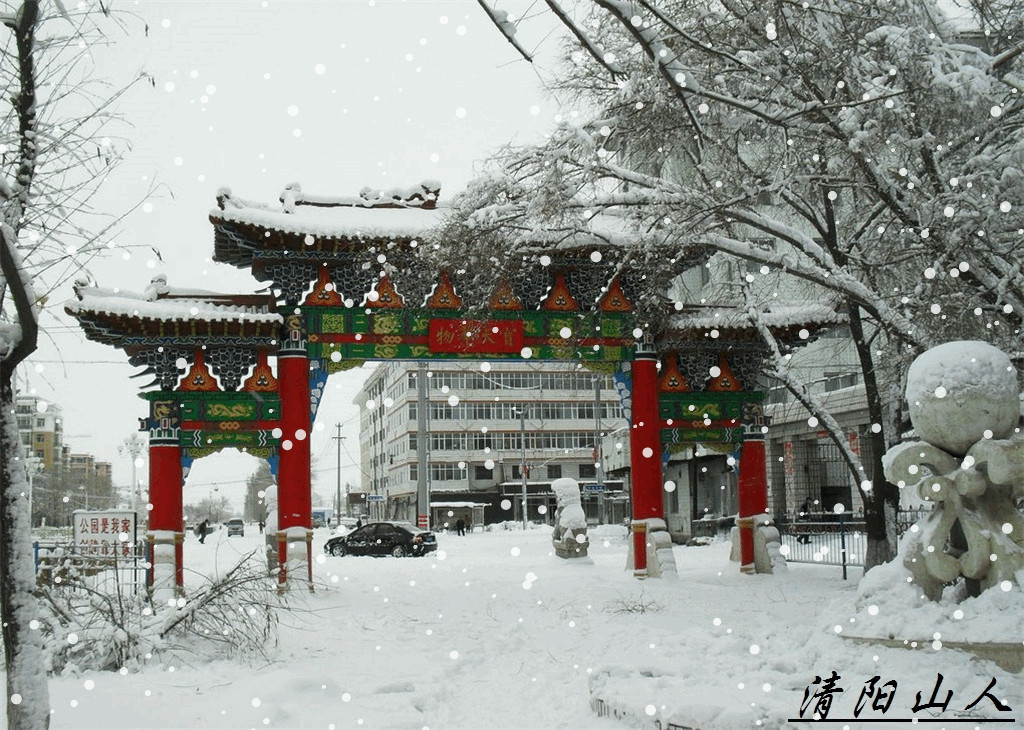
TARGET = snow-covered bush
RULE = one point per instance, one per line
(89, 628)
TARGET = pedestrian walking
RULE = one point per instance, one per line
(804, 538)
(203, 527)
(460, 527)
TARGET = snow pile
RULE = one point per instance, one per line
(890, 606)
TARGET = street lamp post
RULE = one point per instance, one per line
(133, 447)
(32, 463)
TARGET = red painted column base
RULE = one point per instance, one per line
(753, 494)
(179, 563)
(639, 549)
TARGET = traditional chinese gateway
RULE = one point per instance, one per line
(352, 281)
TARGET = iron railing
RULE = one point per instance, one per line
(831, 539)
(816, 537)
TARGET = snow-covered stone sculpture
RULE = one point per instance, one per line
(965, 405)
(570, 534)
(270, 528)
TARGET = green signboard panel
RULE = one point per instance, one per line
(208, 421)
(725, 413)
(710, 405)
(228, 439)
(338, 334)
(221, 406)
(701, 435)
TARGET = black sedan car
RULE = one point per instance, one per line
(397, 539)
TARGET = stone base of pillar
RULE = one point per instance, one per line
(295, 557)
(165, 570)
(661, 562)
(766, 539)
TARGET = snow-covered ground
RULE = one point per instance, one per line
(493, 631)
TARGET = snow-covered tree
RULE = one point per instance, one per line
(872, 150)
(215, 508)
(255, 484)
(54, 153)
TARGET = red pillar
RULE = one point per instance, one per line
(645, 453)
(753, 492)
(294, 501)
(165, 496)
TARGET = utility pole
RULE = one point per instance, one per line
(599, 450)
(422, 446)
(522, 461)
(337, 496)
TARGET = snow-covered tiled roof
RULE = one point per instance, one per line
(160, 302)
(389, 214)
(776, 315)
(168, 309)
(338, 223)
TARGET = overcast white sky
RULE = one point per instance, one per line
(335, 95)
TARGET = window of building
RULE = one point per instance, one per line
(482, 473)
(588, 471)
(446, 473)
(836, 381)
(414, 472)
(40, 438)
(412, 442)
(40, 423)
(554, 471)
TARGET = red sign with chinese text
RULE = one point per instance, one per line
(487, 337)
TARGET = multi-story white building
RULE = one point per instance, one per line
(41, 430)
(484, 421)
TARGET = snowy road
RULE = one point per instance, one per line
(494, 632)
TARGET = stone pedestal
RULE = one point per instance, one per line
(295, 554)
(766, 543)
(660, 560)
(574, 543)
(164, 557)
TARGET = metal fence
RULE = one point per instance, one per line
(831, 539)
(65, 564)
